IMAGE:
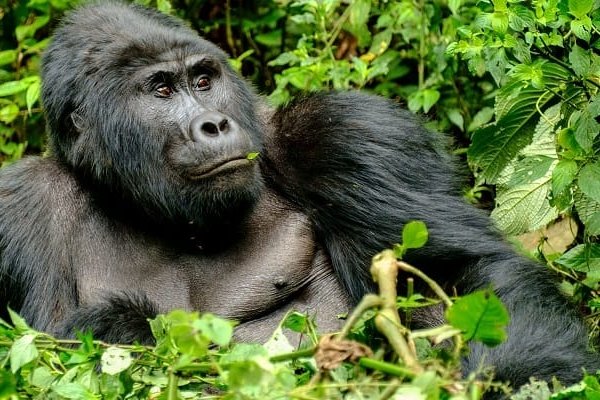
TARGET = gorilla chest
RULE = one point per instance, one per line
(273, 265)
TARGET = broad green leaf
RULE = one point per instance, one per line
(357, 20)
(74, 391)
(414, 235)
(296, 322)
(582, 258)
(525, 207)
(456, 118)
(592, 225)
(530, 170)
(563, 175)
(454, 5)
(582, 28)
(482, 117)
(589, 181)
(252, 155)
(8, 385)
(8, 57)
(579, 8)
(580, 61)
(430, 97)
(270, 39)
(517, 112)
(381, 42)
(585, 206)
(13, 87)
(481, 316)
(494, 146)
(115, 360)
(22, 352)
(41, 377)
(8, 113)
(18, 322)
(217, 330)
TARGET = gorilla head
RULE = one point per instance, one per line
(157, 118)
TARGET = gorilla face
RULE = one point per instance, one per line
(157, 118)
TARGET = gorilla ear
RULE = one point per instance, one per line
(78, 122)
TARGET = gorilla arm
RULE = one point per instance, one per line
(361, 168)
(37, 212)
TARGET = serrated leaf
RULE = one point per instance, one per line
(18, 322)
(582, 28)
(563, 175)
(589, 181)
(580, 61)
(22, 352)
(494, 146)
(585, 206)
(582, 258)
(480, 316)
(115, 360)
(525, 207)
(592, 225)
(414, 235)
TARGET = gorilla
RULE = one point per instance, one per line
(150, 199)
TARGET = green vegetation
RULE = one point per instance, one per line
(515, 83)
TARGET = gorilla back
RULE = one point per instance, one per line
(149, 202)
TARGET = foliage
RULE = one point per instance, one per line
(194, 356)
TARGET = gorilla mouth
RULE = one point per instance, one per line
(222, 167)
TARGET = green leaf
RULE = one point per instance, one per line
(579, 8)
(563, 176)
(33, 94)
(22, 352)
(13, 87)
(252, 155)
(582, 28)
(8, 113)
(74, 391)
(481, 316)
(296, 322)
(414, 235)
(430, 97)
(580, 61)
(8, 57)
(454, 6)
(115, 360)
(592, 225)
(455, 116)
(589, 181)
(525, 207)
(8, 385)
(41, 377)
(270, 39)
(217, 330)
(18, 322)
(494, 146)
(582, 258)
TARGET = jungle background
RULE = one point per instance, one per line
(514, 83)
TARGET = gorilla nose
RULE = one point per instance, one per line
(210, 124)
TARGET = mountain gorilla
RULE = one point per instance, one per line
(148, 201)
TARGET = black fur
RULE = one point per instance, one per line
(119, 208)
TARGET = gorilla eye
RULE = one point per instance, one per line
(164, 90)
(203, 83)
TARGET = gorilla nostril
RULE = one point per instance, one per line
(210, 129)
(223, 126)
